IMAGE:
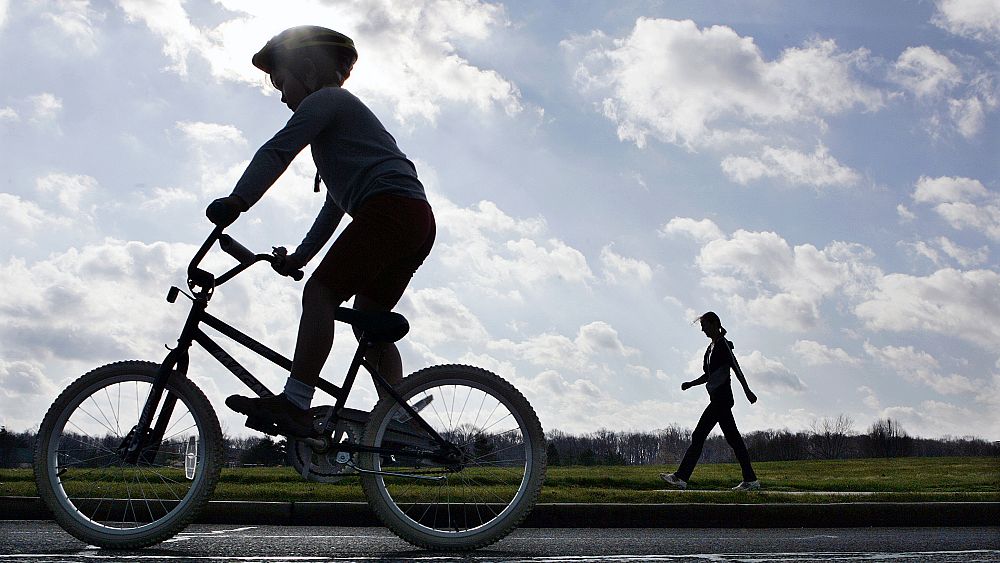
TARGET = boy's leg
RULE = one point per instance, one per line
(314, 341)
(385, 357)
(705, 424)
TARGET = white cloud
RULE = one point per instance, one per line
(870, 399)
(621, 270)
(948, 302)
(21, 217)
(438, 316)
(925, 72)
(493, 249)
(694, 87)
(704, 230)
(21, 380)
(815, 354)
(83, 303)
(45, 107)
(580, 354)
(969, 116)
(904, 213)
(933, 250)
(768, 375)
(8, 114)
(75, 20)
(162, 198)
(408, 54)
(964, 256)
(817, 170)
(920, 367)
(982, 218)
(68, 189)
(963, 202)
(978, 19)
(204, 133)
(947, 189)
(774, 284)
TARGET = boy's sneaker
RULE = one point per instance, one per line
(674, 480)
(748, 486)
(274, 415)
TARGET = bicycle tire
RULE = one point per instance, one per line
(79, 489)
(441, 516)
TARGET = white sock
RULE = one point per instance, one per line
(298, 393)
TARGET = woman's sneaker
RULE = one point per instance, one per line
(674, 480)
(748, 486)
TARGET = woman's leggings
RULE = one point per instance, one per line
(721, 414)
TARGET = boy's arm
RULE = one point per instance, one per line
(272, 159)
(321, 231)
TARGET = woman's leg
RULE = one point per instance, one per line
(728, 425)
(705, 424)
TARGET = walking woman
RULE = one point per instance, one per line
(719, 359)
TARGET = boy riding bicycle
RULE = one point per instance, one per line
(367, 177)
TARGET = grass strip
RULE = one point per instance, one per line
(821, 481)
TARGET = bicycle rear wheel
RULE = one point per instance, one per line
(81, 469)
(495, 473)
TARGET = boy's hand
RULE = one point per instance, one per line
(286, 263)
(225, 210)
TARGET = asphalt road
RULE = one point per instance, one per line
(45, 541)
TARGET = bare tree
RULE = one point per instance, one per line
(886, 438)
(830, 438)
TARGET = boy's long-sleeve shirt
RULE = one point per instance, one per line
(356, 158)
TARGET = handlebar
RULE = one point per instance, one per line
(245, 257)
(229, 245)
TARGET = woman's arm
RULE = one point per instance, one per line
(689, 384)
(739, 375)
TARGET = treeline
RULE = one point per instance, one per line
(825, 439)
(832, 438)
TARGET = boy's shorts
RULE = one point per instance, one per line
(377, 253)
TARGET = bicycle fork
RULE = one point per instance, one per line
(143, 442)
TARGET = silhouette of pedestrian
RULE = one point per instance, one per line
(719, 358)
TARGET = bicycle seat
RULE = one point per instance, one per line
(377, 326)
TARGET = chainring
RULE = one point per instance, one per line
(323, 466)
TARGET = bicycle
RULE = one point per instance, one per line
(453, 458)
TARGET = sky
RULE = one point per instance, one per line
(822, 175)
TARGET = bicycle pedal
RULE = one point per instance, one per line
(262, 425)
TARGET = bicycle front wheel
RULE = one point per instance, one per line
(491, 478)
(86, 478)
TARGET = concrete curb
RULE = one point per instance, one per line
(571, 515)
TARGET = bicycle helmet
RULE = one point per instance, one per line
(303, 36)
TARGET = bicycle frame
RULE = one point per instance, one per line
(144, 440)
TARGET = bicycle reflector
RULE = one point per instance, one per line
(190, 458)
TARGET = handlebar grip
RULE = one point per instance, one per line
(296, 275)
(236, 250)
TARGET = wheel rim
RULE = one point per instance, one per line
(93, 483)
(494, 439)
